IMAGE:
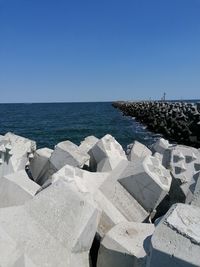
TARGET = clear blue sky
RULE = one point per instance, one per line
(96, 50)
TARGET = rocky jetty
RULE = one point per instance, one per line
(176, 121)
(98, 205)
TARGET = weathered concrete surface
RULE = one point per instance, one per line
(38, 163)
(184, 165)
(116, 203)
(56, 228)
(16, 189)
(15, 152)
(123, 245)
(137, 151)
(176, 240)
(196, 195)
(147, 181)
(106, 154)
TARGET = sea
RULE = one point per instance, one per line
(51, 123)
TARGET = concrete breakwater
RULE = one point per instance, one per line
(96, 205)
(177, 121)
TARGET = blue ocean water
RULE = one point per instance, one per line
(50, 123)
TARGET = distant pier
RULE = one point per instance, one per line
(176, 121)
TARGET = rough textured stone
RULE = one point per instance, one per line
(137, 151)
(147, 181)
(56, 228)
(176, 240)
(124, 245)
(16, 189)
(106, 154)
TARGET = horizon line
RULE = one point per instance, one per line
(105, 101)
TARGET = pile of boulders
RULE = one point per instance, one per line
(177, 121)
(97, 205)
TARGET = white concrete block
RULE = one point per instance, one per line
(16, 189)
(147, 181)
(184, 164)
(176, 240)
(38, 163)
(65, 153)
(106, 154)
(123, 245)
(88, 143)
(68, 153)
(116, 203)
(14, 153)
(56, 228)
(137, 151)
(161, 145)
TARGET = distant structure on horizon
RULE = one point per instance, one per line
(163, 98)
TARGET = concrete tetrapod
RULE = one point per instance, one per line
(137, 151)
(185, 166)
(64, 153)
(147, 181)
(106, 154)
(116, 203)
(15, 152)
(125, 245)
(176, 240)
(56, 228)
(16, 189)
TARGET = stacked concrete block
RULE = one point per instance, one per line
(125, 245)
(64, 153)
(16, 189)
(184, 165)
(56, 228)
(106, 154)
(137, 151)
(120, 197)
(39, 162)
(15, 152)
(147, 181)
(116, 203)
(176, 240)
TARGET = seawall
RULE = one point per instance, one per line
(176, 121)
